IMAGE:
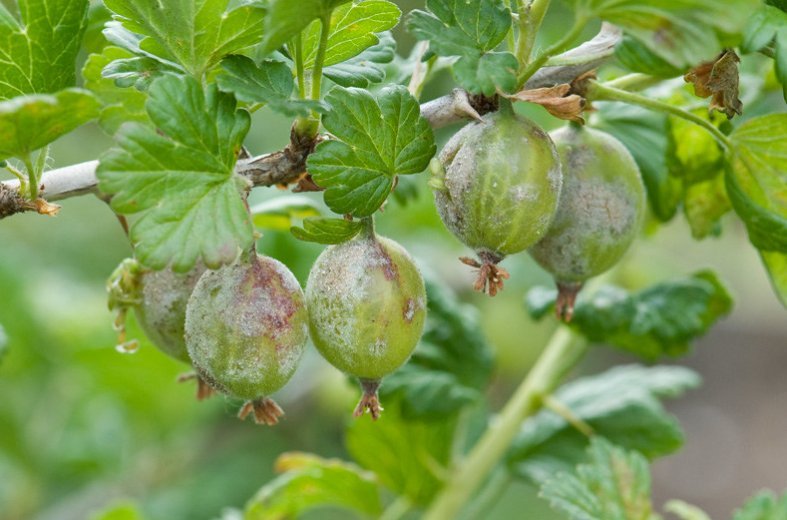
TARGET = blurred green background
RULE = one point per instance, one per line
(83, 426)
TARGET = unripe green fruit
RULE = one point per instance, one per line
(246, 329)
(600, 212)
(162, 308)
(499, 187)
(367, 306)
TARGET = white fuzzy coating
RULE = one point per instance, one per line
(367, 306)
(247, 326)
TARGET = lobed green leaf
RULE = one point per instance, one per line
(470, 30)
(613, 485)
(452, 364)
(661, 320)
(269, 82)
(378, 138)
(180, 176)
(193, 33)
(38, 53)
(30, 122)
(353, 29)
(286, 19)
(119, 105)
(757, 181)
(409, 457)
(683, 33)
(309, 482)
(364, 69)
(622, 405)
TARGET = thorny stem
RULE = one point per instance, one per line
(562, 352)
(556, 48)
(598, 92)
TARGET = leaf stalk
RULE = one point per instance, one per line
(600, 92)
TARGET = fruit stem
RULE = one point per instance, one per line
(562, 353)
(599, 92)
(367, 231)
(566, 297)
(556, 48)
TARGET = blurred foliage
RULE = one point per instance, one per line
(86, 429)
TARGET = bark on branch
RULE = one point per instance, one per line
(289, 165)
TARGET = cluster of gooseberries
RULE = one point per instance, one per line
(502, 185)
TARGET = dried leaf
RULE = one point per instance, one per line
(719, 79)
(558, 100)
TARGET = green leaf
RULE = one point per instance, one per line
(180, 175)
(138, 72)
(286, 19)
(409, 457)
(765, 505)
(470, 30)
(194, 33)
(30, 122)
(622, 405)
(38, 54)
(704, 203)
(452, 365)
(270, 83)
(696, 158)
(757, 180)
(327, 230)
(364, 69)
(661, 320)
(636, 57)
(377, 139)
(761, 28)
(119, 105)
(308, 482)
(683, 33)
(278, 214)
(352, 30)
(614, 485)
(646, 135)
(776, 265)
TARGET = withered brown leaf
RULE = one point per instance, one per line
(558, 100)
(719, 79)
